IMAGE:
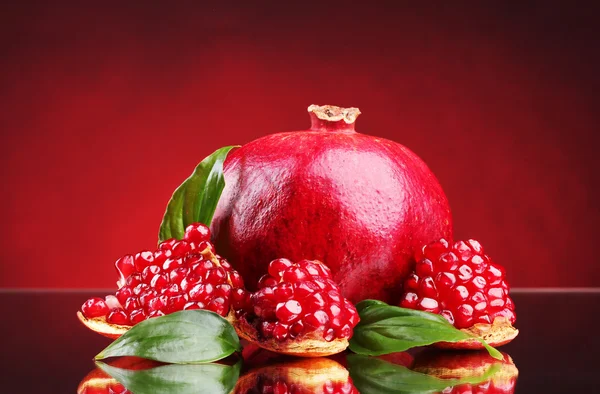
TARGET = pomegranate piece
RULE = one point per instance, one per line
(297, 303)
(178, 275)
(461, 283)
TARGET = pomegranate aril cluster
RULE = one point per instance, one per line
(295, 299)
(176, 276)
(459, 282)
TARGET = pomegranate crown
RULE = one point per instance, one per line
(332, 113)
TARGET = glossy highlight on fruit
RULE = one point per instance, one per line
(362, 204)
(179, 275)
(461, 283)
(298, 310)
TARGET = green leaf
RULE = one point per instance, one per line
(185, 337)
(195, 200)
(180, 379)
(385, 329)
(372, 375)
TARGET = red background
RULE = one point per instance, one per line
(106, 110)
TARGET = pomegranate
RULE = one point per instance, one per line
(298, 310)
(360, 203)
(461, 283)
(179, 275)
(316, 375)
(457, 365)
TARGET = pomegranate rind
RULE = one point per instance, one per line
(499, 333)
(308, 345)
(309, 374)
(114, 331)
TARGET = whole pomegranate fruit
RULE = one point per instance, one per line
(361, 203)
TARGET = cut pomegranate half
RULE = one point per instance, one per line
(298, 310)
(461, 283)
(179, 275)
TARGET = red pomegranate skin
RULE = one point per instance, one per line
(359, 203)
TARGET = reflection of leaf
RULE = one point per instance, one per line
(177, 379)
(191, 336)
(372, 375)
(385, 329)
(195, 200)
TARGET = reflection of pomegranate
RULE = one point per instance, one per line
(309, 376)
(460, 282)
(361, 204)
(457, 365)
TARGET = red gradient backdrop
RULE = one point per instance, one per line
(106, 109)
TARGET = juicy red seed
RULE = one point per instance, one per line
(149, 272)
(156, 304)
(178, 275)
(141, 288)
(428, 305)
(311, 267)
(131, 303)
(409, 300)
(334, 296)
(411, 283)
(160, 256)
(280, 332)
(427, 288)
(172, 290)
(433, 251)
(176, 303)
(196, 233)
(218, 305)
(463, 250)
(494, 274)
(449, 261)
(463, 316)
(193, 305)
(458, 295)
(134, 279)
(295, 275)
(278, 266)
(448, 316)
(205, 245)
(172, 263)
(143, 259)
(304, 289)
(479, 301)
(267, 281)
(296, 329)
(188, 282)
(137, 316)
(216, 275)
(238, 298)
(288, 312)
(464, 273)
(147, 296)
(475, 246)
(329, 335)
(167, 244)
(94, 307)
(283, 292)
(112, 302)
(156, 313)
(201, 268)
(478, 264)
(180, 248)
(424, 268)
(117, 316)
(159, 281)
(314, 302)
(344, 332)
(236, 279)
(223, 290)
(478, 283)
(123, 294)
(316, 319)
(125, 266)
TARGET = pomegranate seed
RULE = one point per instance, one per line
(236, 279)
(132, 303)
(329, 335)
(149, 272)
(288, 312)
(317, 319)
(160, 256)
(196, 233)
(296, 329)
(176, 303)
(278, 266)
(448, 316)
(180, 248)
(117, 316)
(123, 294)
(449, 261)
(412, 283)
(137, 316)
(159, 281)
(427, 288)
(156, 313)
(125, 267)
(409, 300)
(172, 290)
(463, 250)
(267, 281)
(143, 259)
(134, 280)
(465, 273)
(112, 302)
(424, 268)
(193, 305)
(280, 332)
(94, 307)
(216, 275)
(167, 244)
(218, 305)
(172, 263)
(156, 304)
(429, 305)
(177, 275)
(147, 296)
(295, 274)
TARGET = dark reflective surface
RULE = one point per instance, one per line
(46, 349)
